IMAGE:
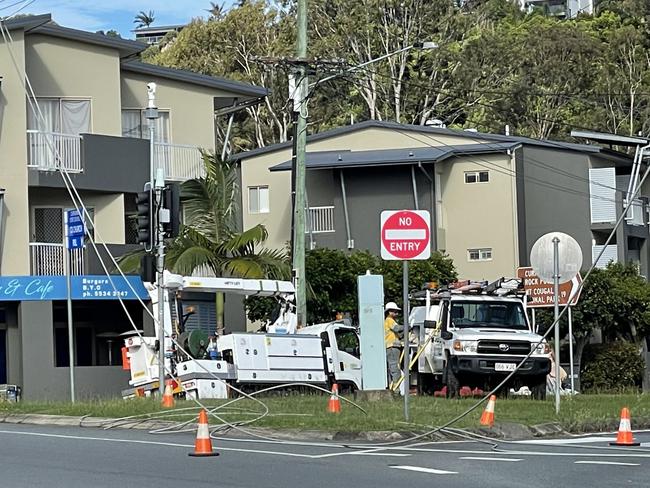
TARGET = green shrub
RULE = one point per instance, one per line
(612, 367)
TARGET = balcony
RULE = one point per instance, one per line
(47, 259)
(320, 220)
(181, 162)
(50, 151)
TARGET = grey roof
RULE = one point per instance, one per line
(613, 139)
(43, 24)
(245, 89)
(476, 136)
(392, 157)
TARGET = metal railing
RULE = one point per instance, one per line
(44, 147)
(320, 220)
(181, 162)
(48, 259)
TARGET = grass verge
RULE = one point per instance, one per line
(583, 413)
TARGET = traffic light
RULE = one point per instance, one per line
(145, 202)
(172, 202)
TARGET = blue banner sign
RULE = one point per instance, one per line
(74, 230)
(84, 287)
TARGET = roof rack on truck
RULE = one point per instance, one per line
(500, 287)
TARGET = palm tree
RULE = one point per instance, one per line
(216, 11)
(143, 19)
(209, 237)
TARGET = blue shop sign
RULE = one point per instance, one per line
(84, 287)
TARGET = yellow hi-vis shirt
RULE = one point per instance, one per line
(390, 337)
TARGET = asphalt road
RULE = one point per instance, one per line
(34, 456)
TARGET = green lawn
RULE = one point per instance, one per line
(578, 414)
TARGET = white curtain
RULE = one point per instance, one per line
(48, 120)
(161, 127)
(75, 116)
(131, 123)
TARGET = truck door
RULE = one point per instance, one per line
(437, 352)
(346, 356)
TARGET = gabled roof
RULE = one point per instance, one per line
(432, 131)
(393, 157)
(244, 89)
(43, 24)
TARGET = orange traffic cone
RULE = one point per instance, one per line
(168, 396)
(203, 443)
(334, 405)
(487, 418)
(625, 437)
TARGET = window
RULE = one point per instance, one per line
(477, 176)
(348, 341)
(48, 224)
(258, 199)
(482, 254)
(65, 116)
(135, 124)
(487, 314)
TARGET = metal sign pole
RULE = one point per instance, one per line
(407, 347)
(534, 321)
(556, 297)
(68, 272)
(571, 350)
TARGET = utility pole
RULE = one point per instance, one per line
(157, 185)
(298, 249)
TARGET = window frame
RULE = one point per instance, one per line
(477, 176)
(259, 208)
(481, 253)
(144, 128)
(36, 100)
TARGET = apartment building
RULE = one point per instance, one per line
(90, 91)
(490, 196)
(566, 9)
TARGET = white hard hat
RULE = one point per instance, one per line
(391, 306)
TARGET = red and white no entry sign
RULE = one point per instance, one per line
(405, 234)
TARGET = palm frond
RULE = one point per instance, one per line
(194, 257)
(130, 262)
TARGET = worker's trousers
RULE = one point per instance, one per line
(392, 358)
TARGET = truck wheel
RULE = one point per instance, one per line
(451, 381)
(538, 389)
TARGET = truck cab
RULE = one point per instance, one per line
(475, 335)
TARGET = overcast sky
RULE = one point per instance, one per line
(94, 15)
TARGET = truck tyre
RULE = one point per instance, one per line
(451, 381)
(538, 388)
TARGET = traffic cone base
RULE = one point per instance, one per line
(334, 405)
(168, 395)
(625, 436)
(203, 443)
(487, 418)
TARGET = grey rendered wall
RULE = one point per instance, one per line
(40, 379)
(369, 192)
(561, 203)
(14, 346)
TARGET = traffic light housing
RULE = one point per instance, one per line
(145, 203)
(172, 202)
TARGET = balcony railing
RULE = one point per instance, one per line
(321, 220)
(48, 259)
(181, 162)
(635, 213)
(49, 151)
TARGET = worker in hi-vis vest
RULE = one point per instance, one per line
(392, 332)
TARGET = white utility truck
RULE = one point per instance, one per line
(318, 354)
(474, 334)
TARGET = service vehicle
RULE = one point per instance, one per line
(474, 334)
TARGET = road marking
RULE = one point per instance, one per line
(561, 442)
(367, 452)
(423, 470)
(155, 443)
(608, 463)
(471, 458)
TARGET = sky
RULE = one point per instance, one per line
(94, 15)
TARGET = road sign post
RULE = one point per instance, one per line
(74, 239)
(405, 235)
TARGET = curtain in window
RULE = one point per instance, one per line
(131, 123)
(161, 127)
(75, 116)
(49, 117)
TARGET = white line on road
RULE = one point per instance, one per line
(423, 470)
(562, 442)
(367, 452)
(471, 458)
(608, 463)
(155, 443)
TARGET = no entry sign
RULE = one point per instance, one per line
(405, 235)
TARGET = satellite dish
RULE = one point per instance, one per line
(569, 254)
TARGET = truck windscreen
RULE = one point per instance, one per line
(502, 315)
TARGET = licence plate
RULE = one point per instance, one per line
(505, 366)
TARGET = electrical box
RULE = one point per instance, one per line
(371, 325)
